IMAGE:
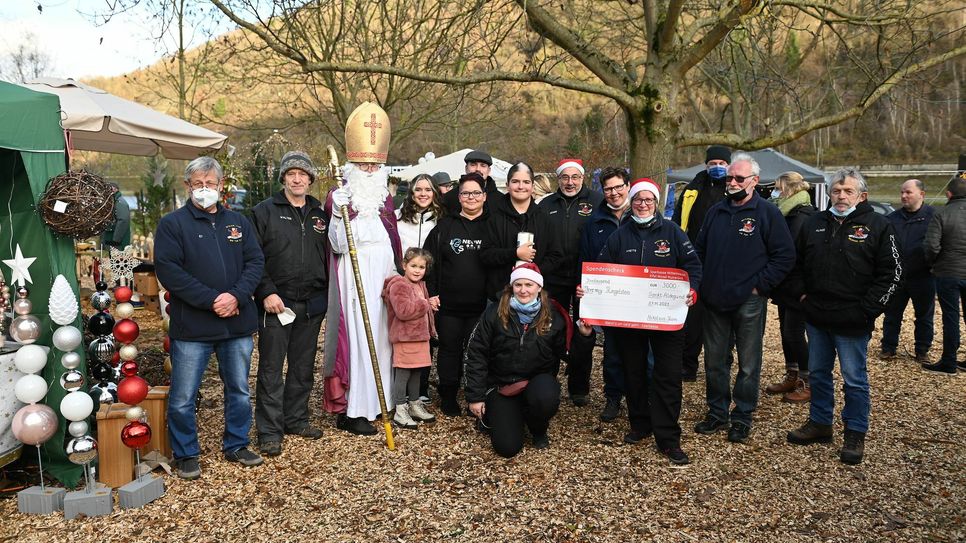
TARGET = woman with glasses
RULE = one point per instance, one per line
(513, 213)
(457, 281)
(649, 239)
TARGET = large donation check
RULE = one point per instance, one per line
(624, 296)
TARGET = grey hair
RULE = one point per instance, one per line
(203, 164)
(745, 157)
(841, 175)
(919, 184)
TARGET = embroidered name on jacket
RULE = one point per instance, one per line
(747, 227)
(234, 233)
(459, 245)
(859, 234)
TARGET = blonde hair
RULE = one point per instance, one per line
(791, 183)
(542, 185)
(416, 252)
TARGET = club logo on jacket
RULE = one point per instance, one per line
(318, 225)
(459, 245)
(234, 233)
(663, 248)
(747, 227)
(859, 233)
(584, 209)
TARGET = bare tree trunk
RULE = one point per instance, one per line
(651, 137)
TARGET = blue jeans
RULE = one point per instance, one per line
(747, 323)
(952, 293)
(612, 369)
(822, 348)
(922, 292)
(189, 359)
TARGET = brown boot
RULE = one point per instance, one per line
(801, 394)
(783, 387)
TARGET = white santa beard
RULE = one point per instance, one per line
(367, 191)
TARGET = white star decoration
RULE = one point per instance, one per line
(121, 264)
(19, 266)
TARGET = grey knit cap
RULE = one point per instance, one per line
(296, 159)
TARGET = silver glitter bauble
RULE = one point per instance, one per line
(82, 450)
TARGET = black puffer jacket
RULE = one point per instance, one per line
(568, 217)
(499, 356)
(795, 219)
(295, 247)
(695, 201)
(848, 271)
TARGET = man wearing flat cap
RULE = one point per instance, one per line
(443, 182)
(292, 300)
(476, 162)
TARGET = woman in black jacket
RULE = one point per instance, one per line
(796, 205)
(512, 361)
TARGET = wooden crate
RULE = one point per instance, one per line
(151, 303)
(115, 461)
(146, 283)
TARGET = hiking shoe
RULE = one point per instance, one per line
(940, 367)
(786, 385)
(309, 432)
(853, 447)
(419, 413)
(402, 418)
(187, 468)
(355, 425)
(541, 441)
(635, 436)
(676, 456)
(710, 425)
(811, 432)
(887, 355)
(579, 400)
(612, 410)
(923, 358)
(738, 433)
(244, 457)
(270, 448)
(801, 394)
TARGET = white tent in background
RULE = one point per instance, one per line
(453, 165)
(100, 121)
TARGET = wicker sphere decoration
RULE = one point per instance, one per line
(78, 204)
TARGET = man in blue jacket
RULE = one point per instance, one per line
(747, 250)
(207, 256)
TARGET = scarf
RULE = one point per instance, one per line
(787, 204)
(525, 312)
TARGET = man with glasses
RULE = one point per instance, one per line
(207, 256)
(602, 223)
(476, 162)
(746, 250)
(569, 209)
(443, 182)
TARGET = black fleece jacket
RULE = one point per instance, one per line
(457, 275)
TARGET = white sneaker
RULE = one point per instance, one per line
(402, 418)
(418, 412)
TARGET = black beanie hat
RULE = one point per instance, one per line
(718, 152)
(296, 159)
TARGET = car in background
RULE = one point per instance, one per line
(882, 208)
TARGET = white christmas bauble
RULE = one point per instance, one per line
(67, 338)
(62, 304)
(30, 388)
(134, 413)
(78, 428)
(70, 361)
(30, 359)
(128, 352)
(76, 406)
(124, 311)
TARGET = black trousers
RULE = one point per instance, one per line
(453, 332)
(791, 322)
(654, 408)
(693, 342)
(534, 407)
(581, 361)
(282, 404)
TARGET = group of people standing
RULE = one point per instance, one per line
(491, 281)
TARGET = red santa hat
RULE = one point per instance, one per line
(570, 163)
(527, 270)
(644, 184)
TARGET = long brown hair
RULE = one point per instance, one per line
(408, 212)
(544, 317)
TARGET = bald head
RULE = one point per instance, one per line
(911, 194)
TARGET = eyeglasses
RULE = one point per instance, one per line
(614, 189)
(739, 178)
(368, 167)
(471, 194)
(212, 185)
(643, 201)
(565, 178)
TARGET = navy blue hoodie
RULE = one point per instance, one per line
(743, 248)
(198, 256)
(660, 243)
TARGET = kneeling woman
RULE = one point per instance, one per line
(512, 360)
(651, 240)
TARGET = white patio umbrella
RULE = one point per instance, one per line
(100, 121)
(453, 165)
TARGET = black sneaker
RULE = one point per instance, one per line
(738, 433)
(635, 436)
(676, 456)
(541, 442)
(961, 365)
(450, 407)
(355, 425)
(187, 468)
(853, 447)
(309, 432)
(579, 400)
(940, 367)
(244, 457)
(612, 410)
(710, 425)
(270, 448)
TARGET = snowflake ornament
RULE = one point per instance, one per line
(121, 264)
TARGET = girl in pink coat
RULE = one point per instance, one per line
(411, 325)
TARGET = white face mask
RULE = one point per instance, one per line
(205, 197)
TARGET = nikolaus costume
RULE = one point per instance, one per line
(350, 387)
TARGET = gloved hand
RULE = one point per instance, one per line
(340, 197)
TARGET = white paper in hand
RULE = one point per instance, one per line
(286, 317)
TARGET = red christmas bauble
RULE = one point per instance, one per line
(126, 331)
(122, 294)
(136, 434)
(167, 295)
(132, 390)
(167, 344)
(116, 358)
(167, 309)
(129, 368)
